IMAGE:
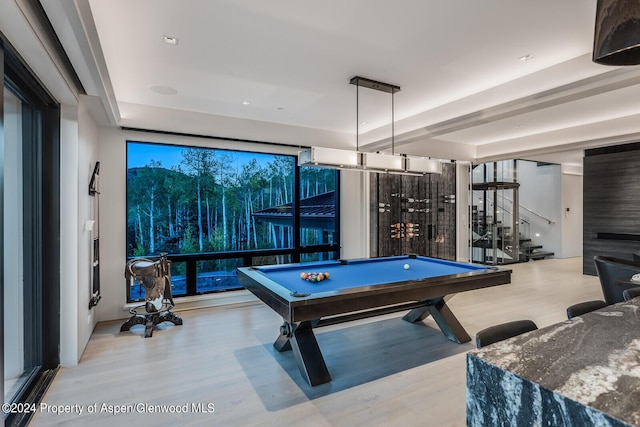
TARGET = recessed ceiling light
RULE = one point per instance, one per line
(164, 90)
(170, 40)
(525, 58)
(246, 103)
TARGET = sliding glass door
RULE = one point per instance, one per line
(30, 230)
(17, 367)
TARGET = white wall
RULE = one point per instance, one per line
(549, 190)
(541, 192)
(572, 199)
(69, 253)
(354, 214)
(462, 211)
(87, 158)
(112, 155)
(78, 140)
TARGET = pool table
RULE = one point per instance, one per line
(362, 288)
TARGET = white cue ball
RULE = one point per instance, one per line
(407, 266)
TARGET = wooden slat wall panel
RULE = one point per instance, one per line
(611, 205)
(443, 192)
(424, 202)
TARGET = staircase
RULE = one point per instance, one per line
(500, 225)
(530, 251)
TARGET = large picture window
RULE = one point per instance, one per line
(214, 210)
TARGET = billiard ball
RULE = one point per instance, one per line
(314, 277)
(407, 266)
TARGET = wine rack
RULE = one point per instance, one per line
(414, 214)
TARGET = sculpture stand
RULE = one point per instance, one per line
(155, 276)
(151, 319)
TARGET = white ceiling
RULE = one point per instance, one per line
(464, 92)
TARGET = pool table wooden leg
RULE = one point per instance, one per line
(282, 342)
(417, 314)
(444, 317)
(300, 338)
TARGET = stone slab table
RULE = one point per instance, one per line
(581, 372)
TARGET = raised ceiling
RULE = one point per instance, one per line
(465, 92)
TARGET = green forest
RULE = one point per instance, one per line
(206, 200)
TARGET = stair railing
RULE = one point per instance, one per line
(550, 221)
(525, 228)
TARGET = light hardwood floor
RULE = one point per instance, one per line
(385, 371)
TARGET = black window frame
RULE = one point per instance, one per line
(41, 163)
(295, 252)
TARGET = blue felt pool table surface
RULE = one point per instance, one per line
(358, 289)
(364, 272)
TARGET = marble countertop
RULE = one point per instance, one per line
(593, 359)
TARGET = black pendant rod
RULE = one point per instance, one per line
(375, 85)
(357, 115)
(382, 87)
(393, 133)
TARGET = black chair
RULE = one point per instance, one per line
(631, 293)
(503, 331)
(584, 307)
(615, 277)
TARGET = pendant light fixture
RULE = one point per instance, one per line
(378, 162)
(370, 162)
(617, 32)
